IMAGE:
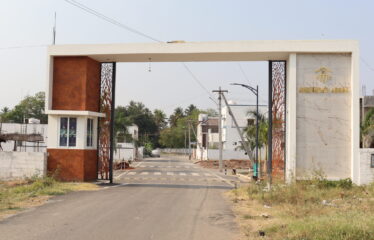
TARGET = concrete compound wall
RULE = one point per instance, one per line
(125, 152)
(366, 172)
(213, 154)
(175, 150)
(18, 165)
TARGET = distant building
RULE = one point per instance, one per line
(366, 103)
(127, 151)
(133, 130)
(230, 136)
(208, 136)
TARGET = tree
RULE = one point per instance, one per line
(137, 113)
(29, 107)
(172, 137)
(121, 122)
(189, 110)
(4, 114)
(175, 135)
(367, 130)
(4, 110)
(173, 119)
(160, 117)
(250, 131)
(211, 112)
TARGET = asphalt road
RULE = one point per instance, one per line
(162, 198)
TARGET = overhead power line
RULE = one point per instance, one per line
(245, 75)
(367, 64)
(196, 79)
(133, 30)
(110, 20)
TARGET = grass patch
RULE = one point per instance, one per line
(17, 195)
(317, 209)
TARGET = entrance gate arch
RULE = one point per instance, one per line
(76, 89)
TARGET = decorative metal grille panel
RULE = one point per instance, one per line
(278, 69)
(106, 100)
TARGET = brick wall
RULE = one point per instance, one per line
(76, 84)
(73, 164)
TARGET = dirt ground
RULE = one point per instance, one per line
(229, 164)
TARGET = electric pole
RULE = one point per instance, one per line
(245, 146)
(54, 30)
(189, 141)
(220, 92)
(185, 140)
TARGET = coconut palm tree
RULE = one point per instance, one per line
(178, 114)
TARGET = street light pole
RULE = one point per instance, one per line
(189, 141)
(257, 132)
(255, 92)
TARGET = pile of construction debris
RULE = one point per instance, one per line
(19, 137)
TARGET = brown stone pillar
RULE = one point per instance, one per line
(72, 150)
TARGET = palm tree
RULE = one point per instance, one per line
(250, 133)
(367, 130)
(189, 110)
(159, 117)
(173, 119)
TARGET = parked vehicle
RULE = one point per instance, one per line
(156, 153)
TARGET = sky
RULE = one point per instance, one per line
(26, 30)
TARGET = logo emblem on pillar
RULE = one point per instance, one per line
(323, 74)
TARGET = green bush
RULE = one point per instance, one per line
(148, 147)
(343, 183)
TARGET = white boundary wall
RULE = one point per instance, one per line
(124, 152)
(19, 165)
(366, 172)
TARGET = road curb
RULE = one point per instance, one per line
(244, 177)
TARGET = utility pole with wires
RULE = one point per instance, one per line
(54, 30)
(244, 145)
(220, 93)
(185, 139)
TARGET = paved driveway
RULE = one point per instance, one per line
(162, 198)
